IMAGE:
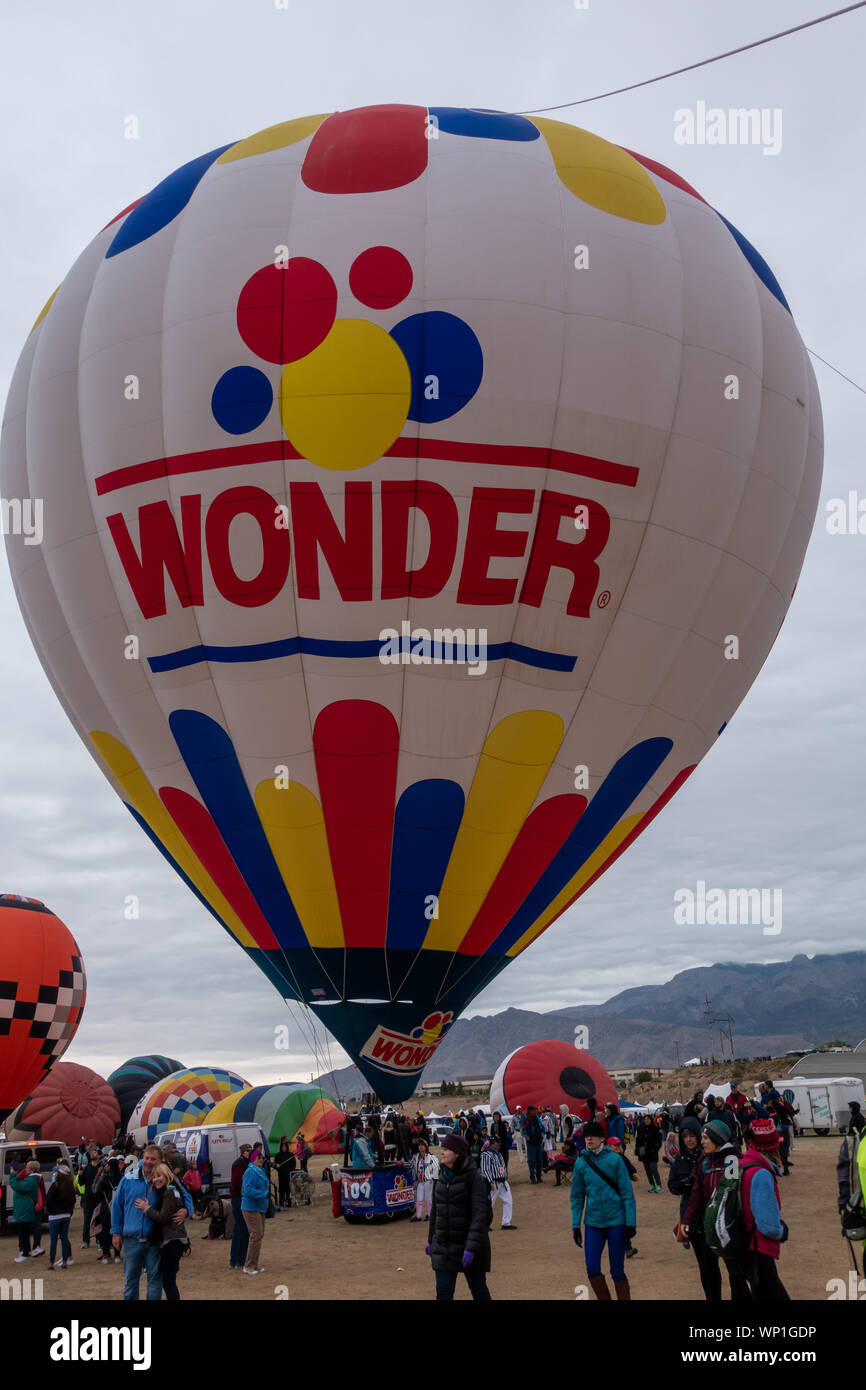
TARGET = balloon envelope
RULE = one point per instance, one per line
(183, 1098)
(72, 1102)
(42, 992)
(136, 1076)
(553, 1074)
(423, 491)
(285, 1109)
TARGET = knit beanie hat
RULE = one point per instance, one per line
(763, 1134)
(719, 1132)
(593, 1128)
(456, 1143)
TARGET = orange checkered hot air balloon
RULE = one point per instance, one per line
(42, 993)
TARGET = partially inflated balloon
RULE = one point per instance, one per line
(184, 1097)
(42, 992)
(550, 1074)
(135, 1077)
(287, 1108)
(72, 1103)
(423, 490)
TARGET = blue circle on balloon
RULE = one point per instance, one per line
(445, 361)
(241, 399)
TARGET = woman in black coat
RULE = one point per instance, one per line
(460, 1215)
(648, 1141)
(501, 1131)
(680, 1182)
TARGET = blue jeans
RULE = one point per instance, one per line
(240, 1236)
(446, 1283)
(533, 1158)
(59, 1230)
(594, 1240)
(139, 1255)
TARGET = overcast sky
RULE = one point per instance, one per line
(779, 802)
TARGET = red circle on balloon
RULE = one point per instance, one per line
(284, 313)
(380, 277)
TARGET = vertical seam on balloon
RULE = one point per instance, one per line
(516, 609)
(394, 992)
(341, 990)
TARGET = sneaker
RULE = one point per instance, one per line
(630, 1252)
(70, 1261)
(21, 1259)
(64, 1264)
(37, 1250)
(508, 1228)
(260, 1270)
(85, 1245)
(247, 1270)
(103, 1260)
(116, 1260)
(58, 1264)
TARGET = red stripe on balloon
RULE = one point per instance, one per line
(356, 744)
(499, 455)
(650, 816)
(542, 836)
(665, 173)
(198, 828)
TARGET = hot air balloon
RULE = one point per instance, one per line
(136, 1076)
(71, 1102)
(42, 992)
(183, 1098)
(550, 1073)
(423, 490)
(285, 1108)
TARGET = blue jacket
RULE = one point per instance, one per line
(362, 1153)
(255, 1190)
(604, 1207)
(126, 1218)
(616, 1128)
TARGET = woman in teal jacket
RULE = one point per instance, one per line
(600, 1182)
(255, 1194)
(25, 1188)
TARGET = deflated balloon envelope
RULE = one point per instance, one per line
(407, 473)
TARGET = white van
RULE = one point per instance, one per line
(214, 1148)
(48, 1152)
(823, 1100)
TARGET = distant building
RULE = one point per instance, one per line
(629, 1073)
(833, 1063)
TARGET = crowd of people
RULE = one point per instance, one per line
(722, 1157)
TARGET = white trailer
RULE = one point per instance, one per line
(823, 1100)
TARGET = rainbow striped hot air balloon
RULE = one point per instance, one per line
(286, 1108)
(432, 456)
(184, 1098)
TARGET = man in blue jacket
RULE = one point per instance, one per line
(131, 1229)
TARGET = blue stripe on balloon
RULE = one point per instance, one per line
(163, 203)
(756, 261)
(212, 763)
(626, 779)
(316, 646)
(484, 125)
(426, 822)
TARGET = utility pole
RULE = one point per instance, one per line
(710, 1026)
(677, 1046)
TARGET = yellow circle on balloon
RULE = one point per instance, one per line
(346, 402)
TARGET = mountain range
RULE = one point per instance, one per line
(777, 1008)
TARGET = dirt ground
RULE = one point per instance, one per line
(309, 1255)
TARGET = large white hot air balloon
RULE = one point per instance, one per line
(407, 475)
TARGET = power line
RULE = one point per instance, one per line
(856, 386)
(690, 67)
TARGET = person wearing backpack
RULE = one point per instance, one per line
(601, 1183)
(720, 1157)
(680, 1180)
(761, 1209)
